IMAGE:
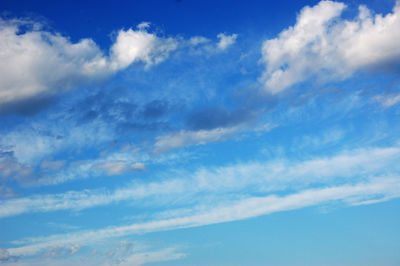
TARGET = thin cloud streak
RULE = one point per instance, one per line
(349, 167)
(239, 210)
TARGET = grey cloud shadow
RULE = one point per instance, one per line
(28, 107)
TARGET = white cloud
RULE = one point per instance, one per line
(60, 251)
(388, 100)
(142, 258)
(257, 177)
(29, 145)
(143, 25)
(197, 40)
(38, 63)
(118, 167)
(226, 40)
(324, 46)
(132, 46)
(188, 138)
(244, 208)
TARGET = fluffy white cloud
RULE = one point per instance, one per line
(226, 40)
(37, 63)
(324, 46)
(140, 45)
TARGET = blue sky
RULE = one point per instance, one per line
(199, 133)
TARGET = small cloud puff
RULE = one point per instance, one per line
(226, 40)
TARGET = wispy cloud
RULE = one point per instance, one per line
(235, 210)
(118, 167)
(257, 177)
(387, 100)
(188, 138)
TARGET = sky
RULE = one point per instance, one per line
(200, 132)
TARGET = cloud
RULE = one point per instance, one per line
(324, 46)
(118, 167)
(257, 177)
(36, 65)
(197, 40)
(131, 46)
(246, 207)
(28, 145)
(36, 62)
(6, 257)
(143, 25)
(10, 168)
(189, 138)
(387, 100)
(142, 258)
(60, 251)
(6, 192)
(226, 40)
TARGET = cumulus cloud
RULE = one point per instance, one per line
(324, 46)
(36, 64)
(226, 40)
(140, 45)
(118, 167)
